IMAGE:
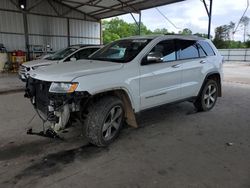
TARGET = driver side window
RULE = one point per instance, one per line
(166, 49)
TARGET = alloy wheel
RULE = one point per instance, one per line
(210, 96)
(112, 123)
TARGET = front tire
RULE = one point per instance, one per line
(104, 120)
(208, 96)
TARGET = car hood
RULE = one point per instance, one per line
(39, 62)
(68, 71)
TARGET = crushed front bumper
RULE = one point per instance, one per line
(53, 107)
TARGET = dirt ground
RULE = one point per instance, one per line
(174, 146)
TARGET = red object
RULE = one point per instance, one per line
(18, 53)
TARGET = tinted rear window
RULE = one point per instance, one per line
(187, 49)
(207, 48)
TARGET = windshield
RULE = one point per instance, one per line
(61, 54)
(121, 51)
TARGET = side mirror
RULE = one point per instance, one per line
(72, 59)
(153, 57)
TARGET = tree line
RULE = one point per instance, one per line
(116, 28)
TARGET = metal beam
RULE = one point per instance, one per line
(134, 19)
(137, 5)
(68, 32)
(209, 14)
(35, 5)
(68, 11)
(140, 23)
(26, 34)
(91, 4)
(41, 14)
(205, 5)
(54, 8)
(117, 7)
(210, 18)
(70, 7)
(131, 6)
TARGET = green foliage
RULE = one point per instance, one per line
(160, 31)
(186, 31)
(247, 44)
(117, 28)
(203, 35)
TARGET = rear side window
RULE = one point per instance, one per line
(206, 48)
(201, 51)
(187, 49)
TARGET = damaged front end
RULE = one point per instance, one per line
(54, 102)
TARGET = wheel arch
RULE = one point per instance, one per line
(124, 96)
(216, 77)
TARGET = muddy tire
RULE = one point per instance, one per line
(208, 96)
(104, 120)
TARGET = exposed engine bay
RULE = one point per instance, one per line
(53, 108)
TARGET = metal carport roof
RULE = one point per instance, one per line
(100, 9)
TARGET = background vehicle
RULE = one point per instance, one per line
(124, 78)
(72, 53)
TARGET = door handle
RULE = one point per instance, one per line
(176, 66)
(202, 61)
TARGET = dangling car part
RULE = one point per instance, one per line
(53, 108)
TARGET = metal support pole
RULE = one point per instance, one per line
(101, 33)
(26, 34)
(68, 32)
(210, 18)
(139, 25)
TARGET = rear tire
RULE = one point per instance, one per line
(208, 96)
(104, 120)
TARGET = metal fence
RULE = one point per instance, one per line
(236, 54)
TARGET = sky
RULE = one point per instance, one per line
(192, 14)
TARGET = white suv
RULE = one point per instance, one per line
(126, 77)
(72, 53)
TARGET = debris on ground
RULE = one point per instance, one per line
(230, 143)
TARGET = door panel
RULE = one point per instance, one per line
(160, 83)
(191, 77)
(194, 70)
(192, 66)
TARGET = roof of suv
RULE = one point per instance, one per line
(176, 36)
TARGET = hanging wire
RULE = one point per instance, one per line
(167, 18)
(241, 17)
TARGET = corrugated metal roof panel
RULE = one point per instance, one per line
(42, 8)
(88, 9)
(6, 4)
(110, 8)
